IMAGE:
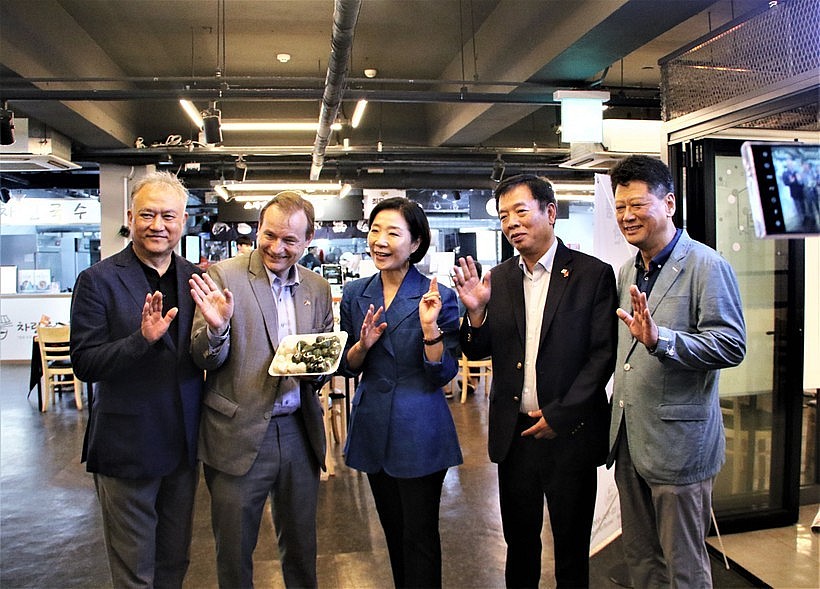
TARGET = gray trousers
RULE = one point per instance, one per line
(286, 470)
(664, 528)
(147, 526)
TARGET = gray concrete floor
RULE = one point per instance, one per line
(50, 533)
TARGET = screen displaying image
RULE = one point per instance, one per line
(783, 180)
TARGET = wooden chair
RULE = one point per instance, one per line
(57, 370)
(335, 423)
(484, 369)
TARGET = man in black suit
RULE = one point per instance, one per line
(131, 318)
(550, 327)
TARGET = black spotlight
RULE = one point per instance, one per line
(6, 126)
(498, 170)
(240, 170)
(456, 195)
(5, 195)
(212, 126)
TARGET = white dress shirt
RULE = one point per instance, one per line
(536, 285)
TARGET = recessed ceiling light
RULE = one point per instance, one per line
(283, 57)
(371, 72)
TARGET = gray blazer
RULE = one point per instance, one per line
(670, 397)
(239, 393)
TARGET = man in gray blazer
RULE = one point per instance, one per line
(261, 435)
(686, 323)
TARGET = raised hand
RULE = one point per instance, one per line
(473, 291)
(154, 325)
(430, 304)
(640, 322)
(215, 305)
(372, 330)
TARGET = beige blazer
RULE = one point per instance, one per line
(239, 393)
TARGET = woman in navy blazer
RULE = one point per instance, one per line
(403, 340)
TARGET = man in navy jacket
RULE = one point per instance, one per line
(550, 328)
(131, 318)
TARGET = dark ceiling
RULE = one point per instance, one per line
(459, 81)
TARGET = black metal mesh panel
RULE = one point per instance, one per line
(806, 118)
(774, 45)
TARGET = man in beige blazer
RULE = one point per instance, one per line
(261, 435)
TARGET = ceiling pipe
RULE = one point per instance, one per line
(345, 15)
(643, 98)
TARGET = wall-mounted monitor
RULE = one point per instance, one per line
(783, 179)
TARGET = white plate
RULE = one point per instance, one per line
(281, 365)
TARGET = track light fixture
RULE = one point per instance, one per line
(212, 125)
(5, 195)
(240, 170)
(498, 169)
(6, 125)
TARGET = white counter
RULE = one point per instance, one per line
(19, 315)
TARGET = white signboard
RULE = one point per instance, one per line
(50, 211)
(609, 245)
(19, 315)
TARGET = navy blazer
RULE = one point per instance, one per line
(145, 415)
(576, 354)
(400, 421)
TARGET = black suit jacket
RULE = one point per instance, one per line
(576, 354)
(145, 417)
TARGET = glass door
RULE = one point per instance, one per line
(760, 399)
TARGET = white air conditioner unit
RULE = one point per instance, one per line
(19, 162)
(592, 159)
(622, 138)
(31, 154)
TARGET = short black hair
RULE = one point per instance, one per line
(643, 168)
(540, 187)
(244, 240)
(416, 221)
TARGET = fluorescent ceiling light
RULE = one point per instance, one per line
(238, 125)
(253, 191)
(279, 186)
(573, 187)
(574, 192)
(192, 112)
(253, 125)
(358, 113)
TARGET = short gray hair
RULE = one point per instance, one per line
(166, 179)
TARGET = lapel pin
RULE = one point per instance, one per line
(306, 303)
(565, 273)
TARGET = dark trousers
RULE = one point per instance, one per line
(147, 524)
(286, 470)
(409, 513)
(531, 472)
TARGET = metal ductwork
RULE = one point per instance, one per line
(345, 15)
